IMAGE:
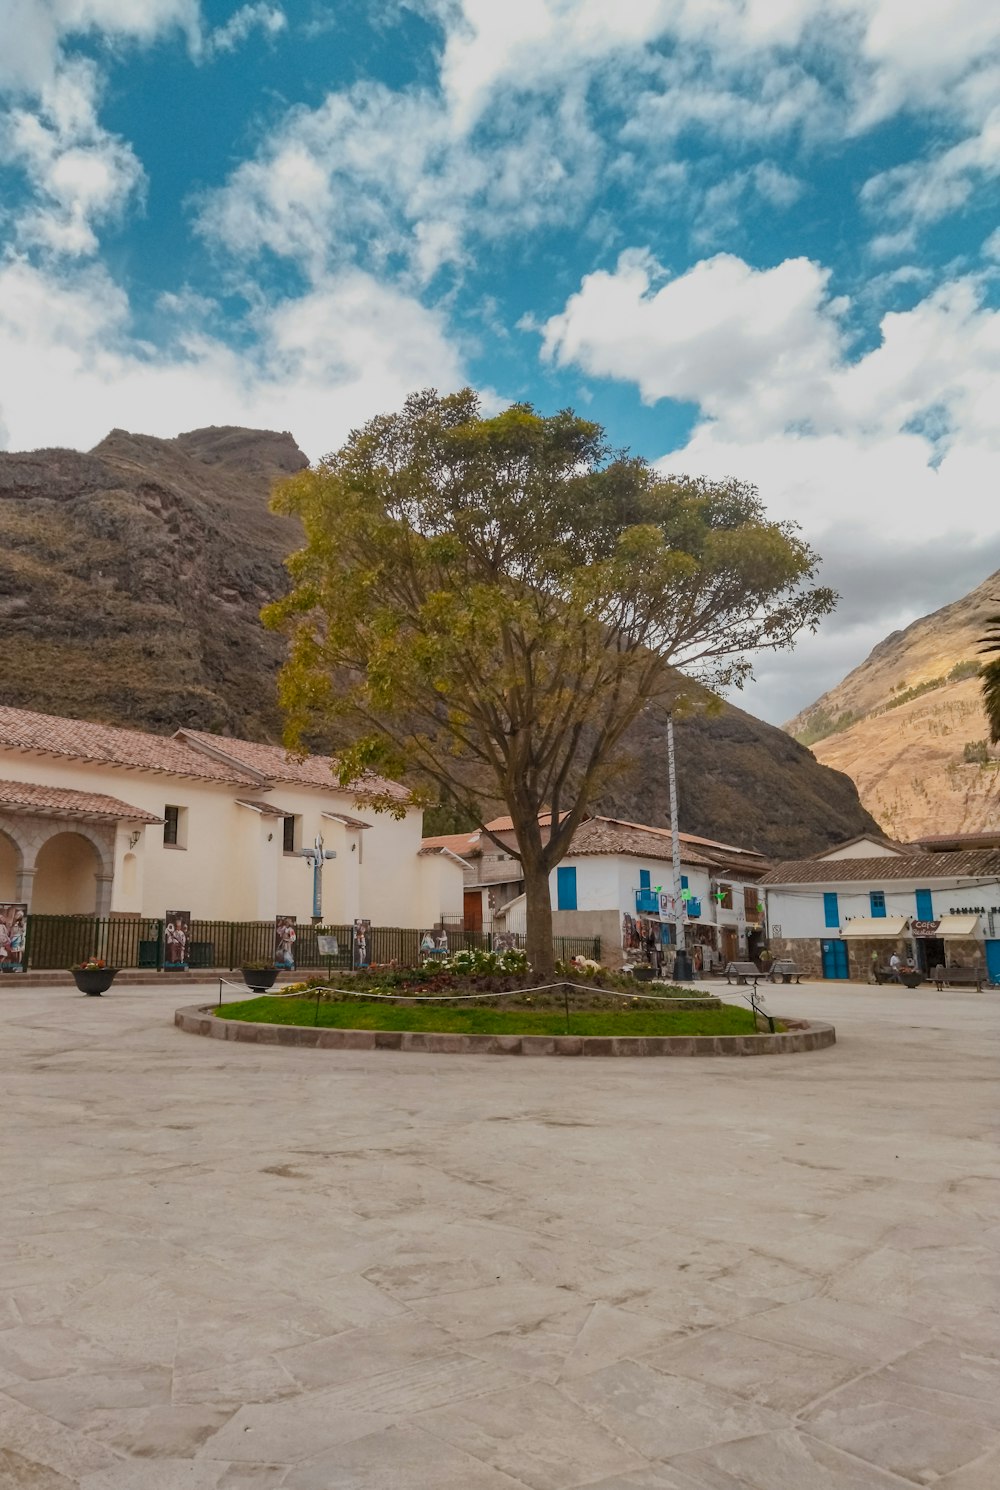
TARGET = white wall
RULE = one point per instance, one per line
(868, 848)
(232, 866)
(609, 882)
(800, 912)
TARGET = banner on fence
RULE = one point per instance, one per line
(176, 939)
(361, 954)
(13, 920)
(284, 941)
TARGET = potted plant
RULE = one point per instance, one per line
(93, 977)
(259, 975)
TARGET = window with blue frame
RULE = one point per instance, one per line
(684, 882)
(644, 880)
(831, 909)
(925, 905)
(876, 900)
(566, 887)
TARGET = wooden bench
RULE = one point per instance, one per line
(964, 977)
(741, 971)
(785, 970)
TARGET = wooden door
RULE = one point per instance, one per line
(473, 910)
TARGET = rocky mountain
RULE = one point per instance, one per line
(131, 590)
(908, 725)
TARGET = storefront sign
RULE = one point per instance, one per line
(924, 928)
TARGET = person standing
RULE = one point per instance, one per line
(895, 963)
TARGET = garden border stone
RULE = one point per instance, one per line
(800, 1036)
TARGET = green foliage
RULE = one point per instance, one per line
(976, 753)
(991, 678)
(968, 669)
(486, 606)
(358, 1015)
(823, 722)
(917, 691)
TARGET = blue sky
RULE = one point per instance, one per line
(751, 237)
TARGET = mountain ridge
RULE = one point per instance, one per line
(908, 724)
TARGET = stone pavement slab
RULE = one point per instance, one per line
(229, 1267)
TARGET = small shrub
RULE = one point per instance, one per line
(976, 753)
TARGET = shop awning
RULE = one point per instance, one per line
(887, 926)
(959, 926)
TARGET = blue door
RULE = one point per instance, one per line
(835, 959)
(993, 961)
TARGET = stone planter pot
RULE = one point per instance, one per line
(93, 981)
(259, 979)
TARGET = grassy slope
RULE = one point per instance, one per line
(376, 1016)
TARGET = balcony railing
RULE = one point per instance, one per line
(647, 902)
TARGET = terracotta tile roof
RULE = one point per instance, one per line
(25, 796)
(348, 822)
(970, 864)
(269, 809)
(716, 850)
(273, 763)
(601, 835)
(462, 844)
(79, 739)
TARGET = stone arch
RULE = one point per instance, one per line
(11, 864)
(69, 875)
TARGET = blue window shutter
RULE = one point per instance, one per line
(684, 882)
(831, 909)
(566, 887)
(644, 880)
(876, 900)
(925, 905)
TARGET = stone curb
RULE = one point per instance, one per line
(199, 1020)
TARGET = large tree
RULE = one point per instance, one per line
(991, 678)
(486, 604)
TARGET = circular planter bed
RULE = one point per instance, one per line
(796, 1037)
(94, 981)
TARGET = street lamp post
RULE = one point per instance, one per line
(682, 962)
(316, 856)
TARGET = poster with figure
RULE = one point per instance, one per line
(13, 929)
(361, 949)
(176, 939)
(284, 941)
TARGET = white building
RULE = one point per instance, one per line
(938, 905)
(105, 821)
(615, 883)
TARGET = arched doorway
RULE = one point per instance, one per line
(65, 876)
(10, 865)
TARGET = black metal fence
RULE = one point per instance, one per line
(124, 942)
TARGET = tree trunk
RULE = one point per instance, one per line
(538, 906)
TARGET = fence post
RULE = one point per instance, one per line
(159, 945)
(26, 954)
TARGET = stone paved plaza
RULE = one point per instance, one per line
(234, 1267)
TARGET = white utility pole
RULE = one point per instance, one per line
(682, 967)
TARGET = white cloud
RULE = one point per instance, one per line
(753, 347)
(385, 170)
(35, 31)
(886, 459)
(318, 365)
(929, 189)
(270, 19)
(80, 174)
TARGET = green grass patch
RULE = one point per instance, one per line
(360, 1015)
